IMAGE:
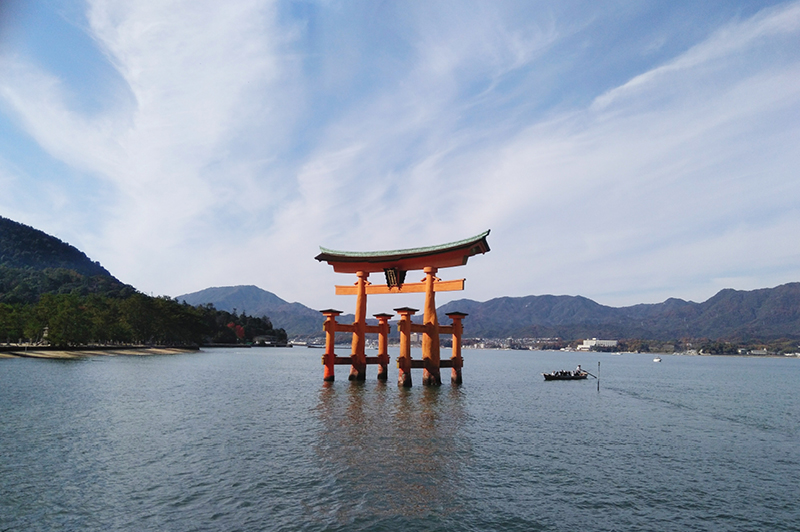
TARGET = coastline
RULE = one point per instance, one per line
(86, 352)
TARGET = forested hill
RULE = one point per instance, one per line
(25, 247)
(33, 263)
(765, 314)
(53, 294)
(297, 319)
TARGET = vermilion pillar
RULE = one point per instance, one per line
(329, 358)
(430, 338)
(383, 345)
(358, 370)
(404, 360)
(458, 329)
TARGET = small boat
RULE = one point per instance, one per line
(565, 375)
(657, 359)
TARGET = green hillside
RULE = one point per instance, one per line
(51, 293)
(24, 247)
(33, 263)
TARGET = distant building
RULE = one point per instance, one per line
(587, 345)
(268, 341)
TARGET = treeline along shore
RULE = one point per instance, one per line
(72, 321)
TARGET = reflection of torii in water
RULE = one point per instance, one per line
(395, 264)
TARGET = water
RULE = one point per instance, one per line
(251, 439)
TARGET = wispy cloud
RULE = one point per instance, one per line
(642, 189)
(202, 77)
(246, 134)
(620, 186)
(733, 43)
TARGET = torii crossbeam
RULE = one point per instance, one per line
(395, 264)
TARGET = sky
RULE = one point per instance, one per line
(625, 151)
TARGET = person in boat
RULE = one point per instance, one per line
(578, 371)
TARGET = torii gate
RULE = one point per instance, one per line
(395, 264)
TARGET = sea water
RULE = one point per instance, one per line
(252, 439)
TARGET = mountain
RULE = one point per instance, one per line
(25, 247)
(294, 318)
(765, 314)
(536, 316)
(33, 263)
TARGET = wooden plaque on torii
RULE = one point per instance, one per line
(395, 265)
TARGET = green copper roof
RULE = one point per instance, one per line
(326, 253)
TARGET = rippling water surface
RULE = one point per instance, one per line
(251, 439)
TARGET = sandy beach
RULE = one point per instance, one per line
(34, 352)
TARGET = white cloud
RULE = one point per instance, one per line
(591, 201)
(227, 171)
(725, 46)
(201, 75)
(37, 100)
(624, 194)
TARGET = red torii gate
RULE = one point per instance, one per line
(395, 264)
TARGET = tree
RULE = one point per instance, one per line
(10, 323)
(66, 320)
(138, 315)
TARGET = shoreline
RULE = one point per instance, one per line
(86, 352)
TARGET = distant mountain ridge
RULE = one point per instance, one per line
(766, 314)
(296, 319)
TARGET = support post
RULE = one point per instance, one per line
(383, 346)
(458, 362)
(358, 369)
(404, 360)
(329, 358)
(430, 338)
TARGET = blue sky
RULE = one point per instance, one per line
(624, 151)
